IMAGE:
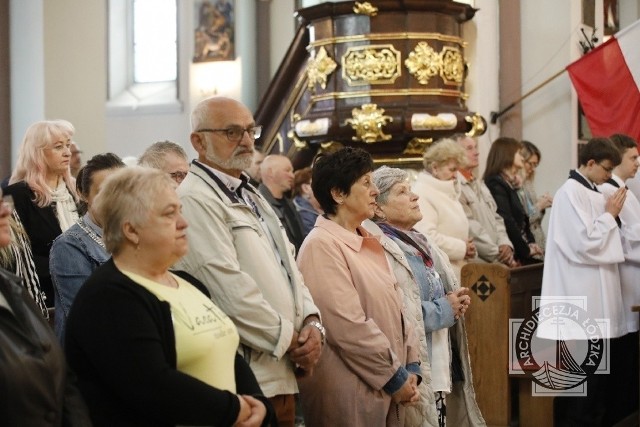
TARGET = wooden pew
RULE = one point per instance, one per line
(497, 295)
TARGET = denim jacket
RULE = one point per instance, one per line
(74, 256)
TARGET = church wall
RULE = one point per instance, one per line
(75, 77)
(59, 70)
(548, 114)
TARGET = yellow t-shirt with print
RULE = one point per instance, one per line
(206, 339)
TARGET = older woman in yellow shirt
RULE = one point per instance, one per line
(148, 346)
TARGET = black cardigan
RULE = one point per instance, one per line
(120, 342)
(515, 218)
(42, 227)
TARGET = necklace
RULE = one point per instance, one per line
(91, 233)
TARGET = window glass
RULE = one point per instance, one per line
(154, 41)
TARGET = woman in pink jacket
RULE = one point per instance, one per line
(369, 367)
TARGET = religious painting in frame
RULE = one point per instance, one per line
(214, 30)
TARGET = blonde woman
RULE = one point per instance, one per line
(444, 220)
(533, 204)
(44, 191)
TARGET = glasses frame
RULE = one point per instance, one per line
(607, 170)
(254, 132)
(532, 164)
(178, 175)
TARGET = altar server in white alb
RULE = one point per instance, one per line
(624, 362)
(584, 249)
(584, 245)
(629, 226)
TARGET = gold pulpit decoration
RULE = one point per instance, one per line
(423, 63)
(478, 125)
(318, 69)
(452, 71)
(368, 122)
(373, 64)
(365, 8)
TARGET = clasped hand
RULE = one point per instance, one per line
(305, 350)
(408, 394)
(252, 412)
(459, 300)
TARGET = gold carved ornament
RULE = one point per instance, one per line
(297, 142)
(330, 147)
(291, 134)
(372, 64)
(318, 69)
(365, 8)
(442, 121)
(452, 71)
(417, 146)
(367, 122)
(424, 63)
(478, 125)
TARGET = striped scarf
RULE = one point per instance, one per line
(18, 259)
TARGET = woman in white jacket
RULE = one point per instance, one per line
(444, 220)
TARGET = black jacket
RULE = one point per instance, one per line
(36, 388)
(120, 341)
(515, 218)
(288, 216)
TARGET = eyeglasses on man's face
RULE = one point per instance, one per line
(606, 169)
(178, 176)
(235, 133)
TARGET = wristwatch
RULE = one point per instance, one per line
(318, 326)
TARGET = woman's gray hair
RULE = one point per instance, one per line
(155, 155)
(127, 196)
(385, 178)
(443, 151)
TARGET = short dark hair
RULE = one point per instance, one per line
(599, 149)
(501, 155)
(623, 142)
(339, 170)
(97, 163)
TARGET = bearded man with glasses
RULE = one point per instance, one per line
(239, 249)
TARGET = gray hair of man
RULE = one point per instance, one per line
(154, 156)
(385, 178)
(128, 195)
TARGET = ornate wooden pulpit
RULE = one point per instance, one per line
(387, 76)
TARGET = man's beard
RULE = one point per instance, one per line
(235, 162)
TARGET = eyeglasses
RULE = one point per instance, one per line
(532, 164)
(235, 133)
(178, 176)
(607, 170)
